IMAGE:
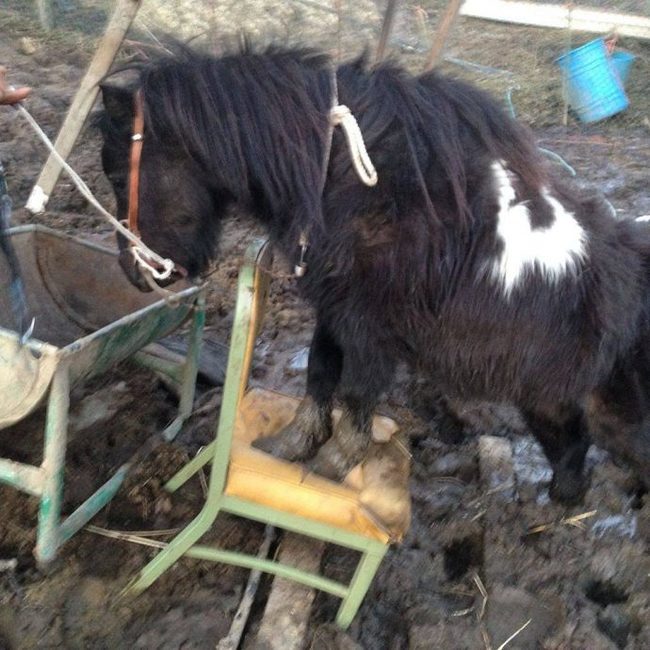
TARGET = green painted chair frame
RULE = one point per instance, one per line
(251, 297)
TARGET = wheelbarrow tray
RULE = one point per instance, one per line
(87, 316)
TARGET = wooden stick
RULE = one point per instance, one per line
(232, 640)
(386, 29)
(125, 12)
(546, 15)
(46, 14)
(442, 34)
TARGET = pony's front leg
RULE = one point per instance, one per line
(312, 424)
(365, 377)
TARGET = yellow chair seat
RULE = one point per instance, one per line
(258, 477)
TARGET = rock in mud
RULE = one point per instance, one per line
(587, 635)
(643, 520)
(509, 608)
(615, 623)
(27, 45)
(329, 637)
(444, 635)
(80, 613)
(437, 500)
(100, 406)
(497, 467)
(299, 360)
(614, 575)
(457, 464)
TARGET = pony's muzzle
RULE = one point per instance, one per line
(132, 271)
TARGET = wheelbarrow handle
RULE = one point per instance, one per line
(24, 324)
(8, 94)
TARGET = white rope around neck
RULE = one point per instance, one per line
(341, 115)
(141, 252)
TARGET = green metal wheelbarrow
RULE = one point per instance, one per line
(87, 318)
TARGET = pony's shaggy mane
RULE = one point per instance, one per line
(256, 103)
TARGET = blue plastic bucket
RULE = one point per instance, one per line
(593, 87)
(622, 62)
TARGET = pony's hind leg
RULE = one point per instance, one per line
(312, 424)
(564, 438)
(618, 413)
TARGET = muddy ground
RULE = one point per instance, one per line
(583, 583)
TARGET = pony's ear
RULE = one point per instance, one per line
(118, 101)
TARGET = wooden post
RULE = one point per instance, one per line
(125, 12)
(559, 15)
(442, 33)
(386, 29)
(46, 14)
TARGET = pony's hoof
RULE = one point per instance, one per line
(299, 439)
(334, 461)
(330, 463)
(289, 444)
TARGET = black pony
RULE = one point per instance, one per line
(467, 260)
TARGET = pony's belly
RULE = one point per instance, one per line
(513, 370)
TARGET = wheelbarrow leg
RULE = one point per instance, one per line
(190, 370)
(56, 431)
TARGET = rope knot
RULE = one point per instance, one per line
(341, 115)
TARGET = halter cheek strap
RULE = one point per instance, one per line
(142, 258)
(137, 140)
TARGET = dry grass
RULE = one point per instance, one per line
(576, 521)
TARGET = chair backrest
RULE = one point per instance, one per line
(252, 293)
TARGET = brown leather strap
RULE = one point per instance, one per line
(137, 139)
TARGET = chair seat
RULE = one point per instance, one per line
(366, 503)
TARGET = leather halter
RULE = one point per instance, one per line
(135, 154)
(137, 139)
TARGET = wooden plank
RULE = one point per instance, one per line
(125, 12)
(442, 33)
(287, 610)
(497, 468)
(558, 16)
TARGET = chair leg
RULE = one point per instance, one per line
(186, 472)
(176, 548)
(363, 575)
(56, 431)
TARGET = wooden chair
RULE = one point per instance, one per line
(365, 513)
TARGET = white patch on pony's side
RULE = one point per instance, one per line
(555, 251)
(645, 217)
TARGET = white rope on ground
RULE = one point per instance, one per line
(143, 251)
